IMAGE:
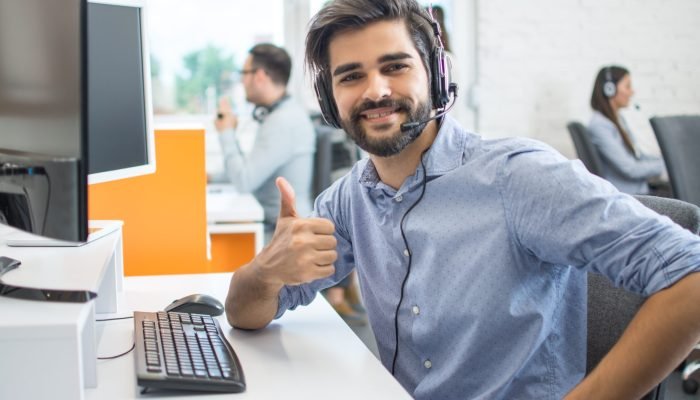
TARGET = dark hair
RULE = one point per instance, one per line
(601, 103)
(274, 60)
(346, 15)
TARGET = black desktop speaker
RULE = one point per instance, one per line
(439, 80)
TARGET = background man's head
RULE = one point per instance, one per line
(265, 73)
(346, 17)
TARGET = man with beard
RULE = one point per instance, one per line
(472, 255)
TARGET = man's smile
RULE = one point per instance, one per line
(378, 115)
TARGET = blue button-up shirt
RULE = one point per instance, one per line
(494, 306)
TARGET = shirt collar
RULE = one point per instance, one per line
(445, 154)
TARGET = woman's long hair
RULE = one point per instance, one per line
(601, 103)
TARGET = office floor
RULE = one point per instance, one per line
(674, 389)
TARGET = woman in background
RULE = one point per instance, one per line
(624, 165)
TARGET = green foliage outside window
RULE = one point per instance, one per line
(206, 68)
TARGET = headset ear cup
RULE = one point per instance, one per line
(325, 100)
(609, 89)
(609, 86)
(440, 78)
(260, 112)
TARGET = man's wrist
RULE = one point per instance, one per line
(272, 284)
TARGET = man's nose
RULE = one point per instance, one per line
(377, 87)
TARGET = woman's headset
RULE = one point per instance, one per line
(609, 85)
(440, 82)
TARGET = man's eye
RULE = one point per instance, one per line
(396, 67)
(350, 77)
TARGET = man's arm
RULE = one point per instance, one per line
(301, 250)
(660, 336)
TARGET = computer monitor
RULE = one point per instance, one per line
(43, 117)
(121, 140)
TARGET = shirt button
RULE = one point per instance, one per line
(405, 252)
(416, 310)
(427, 364)
(398, 199)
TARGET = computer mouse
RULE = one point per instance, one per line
(197, 304)
(7, 264)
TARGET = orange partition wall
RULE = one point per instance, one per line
(164, 213)
(229, 251)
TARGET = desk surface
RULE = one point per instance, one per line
(309, 353)
(226, 205)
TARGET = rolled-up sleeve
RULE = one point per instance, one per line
(562, 214)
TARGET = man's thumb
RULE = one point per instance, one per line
(288, 199)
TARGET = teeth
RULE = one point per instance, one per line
(378, 115)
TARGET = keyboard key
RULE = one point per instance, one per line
(201, 373)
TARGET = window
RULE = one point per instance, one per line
(197, 47)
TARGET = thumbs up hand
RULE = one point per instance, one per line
(301, 249)
(288, 206)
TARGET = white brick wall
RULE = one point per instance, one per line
(537, 59)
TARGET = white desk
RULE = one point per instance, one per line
(49, 348)
(231, 212)
(310, 353)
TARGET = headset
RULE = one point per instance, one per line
(609, 85)
(441, 86)
(261, 112)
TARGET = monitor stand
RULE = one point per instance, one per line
(96, 230)
(29, 293)
(100, 229)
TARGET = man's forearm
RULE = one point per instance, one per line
(251, 303)
(659, 337)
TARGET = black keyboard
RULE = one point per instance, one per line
(184, 352)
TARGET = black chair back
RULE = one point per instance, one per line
(323, 159)
(679, 140)
(610, 309)
(585, 149)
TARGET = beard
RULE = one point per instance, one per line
(396, 141)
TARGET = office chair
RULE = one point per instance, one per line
(679, 140)
(585, 149)
(322, 159)
(336, 153)
(610, 309)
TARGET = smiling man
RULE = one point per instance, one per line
(472, 255)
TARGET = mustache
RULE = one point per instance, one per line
(398, 104)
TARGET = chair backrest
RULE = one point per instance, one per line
(323, 159)
(585, 149)
(679, 140)
(610, 309)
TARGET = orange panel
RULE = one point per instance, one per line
(164, 213)
(229, 251)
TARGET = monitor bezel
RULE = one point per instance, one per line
(150, 166)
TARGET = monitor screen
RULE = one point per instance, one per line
(119, 122)
(43, 117)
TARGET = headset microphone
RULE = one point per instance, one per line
(407, 126)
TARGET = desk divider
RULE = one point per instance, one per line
(164, 213)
